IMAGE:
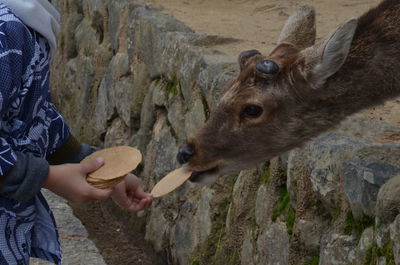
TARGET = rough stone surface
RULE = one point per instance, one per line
(395, 237)
(157, 228)
(365, 173)
(337, 249)
(262, 208)
(388, 201)
(248, 250)
(366, 241)
(183, 236)
(310, 232)
(202, 216)
(194, 118)
(273, 245)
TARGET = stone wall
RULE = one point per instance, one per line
(127, 74)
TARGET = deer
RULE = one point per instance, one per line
(302, 89)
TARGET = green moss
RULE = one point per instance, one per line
(290, 220)
(172, 87)
(285, 209)
(234, 258)
(62, 43)
(357, 227)
(214, 246)
(337, 215)
(374, 252)
(284, 200)
(195, 262)
(265, 173)
(314, 261)
(349, 224)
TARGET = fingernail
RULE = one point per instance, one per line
(100, 160)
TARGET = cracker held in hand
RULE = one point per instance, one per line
(119, 161)
(171, 181)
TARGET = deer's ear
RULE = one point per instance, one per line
(300, 28)
(328, 56)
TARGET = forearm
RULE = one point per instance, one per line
(26, 178)
(31, 173)
(71, 151)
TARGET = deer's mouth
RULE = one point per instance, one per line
(205, 177)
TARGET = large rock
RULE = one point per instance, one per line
(395, 237)
(263, 207)
(337, 249)
(183, 239)
(310, 232)
(157, 228)
(352, 157)
(216, 71)
(388, 201)
(195, 118)
(148, 30)
(273, 245)
(202, 217)
(67, 42)
(248, 250)
(147, 119)
(364, 174)
(364, 245)
(161, 151)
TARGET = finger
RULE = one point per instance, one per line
(141, 194)
(100, 194)
(92, 165)
(137, 206)
(121, 197)
(149, 201)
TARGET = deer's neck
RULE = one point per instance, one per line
(371, 73)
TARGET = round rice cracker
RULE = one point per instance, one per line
(171, 181)
(118, 161)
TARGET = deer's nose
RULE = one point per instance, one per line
(184, 154)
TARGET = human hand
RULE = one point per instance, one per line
(69, 182)
(129, 195)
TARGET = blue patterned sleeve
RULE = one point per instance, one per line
(15, 53)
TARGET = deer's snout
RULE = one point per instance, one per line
(184, 154)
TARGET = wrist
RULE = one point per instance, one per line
(51, 177)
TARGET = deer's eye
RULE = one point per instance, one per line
(251, 112)
(268, 67)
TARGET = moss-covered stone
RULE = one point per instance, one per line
(172, 88)
(285, 210)
(313, 261)
(374, 253)
(357, 227)
(265, 172)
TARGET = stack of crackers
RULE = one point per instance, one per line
(119, 161)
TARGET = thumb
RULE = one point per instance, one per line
(92, 165)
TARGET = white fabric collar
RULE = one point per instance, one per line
(40, 15)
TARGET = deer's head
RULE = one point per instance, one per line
(263, 112)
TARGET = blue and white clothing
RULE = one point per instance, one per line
(29, 124)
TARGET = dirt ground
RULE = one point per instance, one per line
(257, 24)
(117, 243)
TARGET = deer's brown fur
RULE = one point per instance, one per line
(317, 86)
